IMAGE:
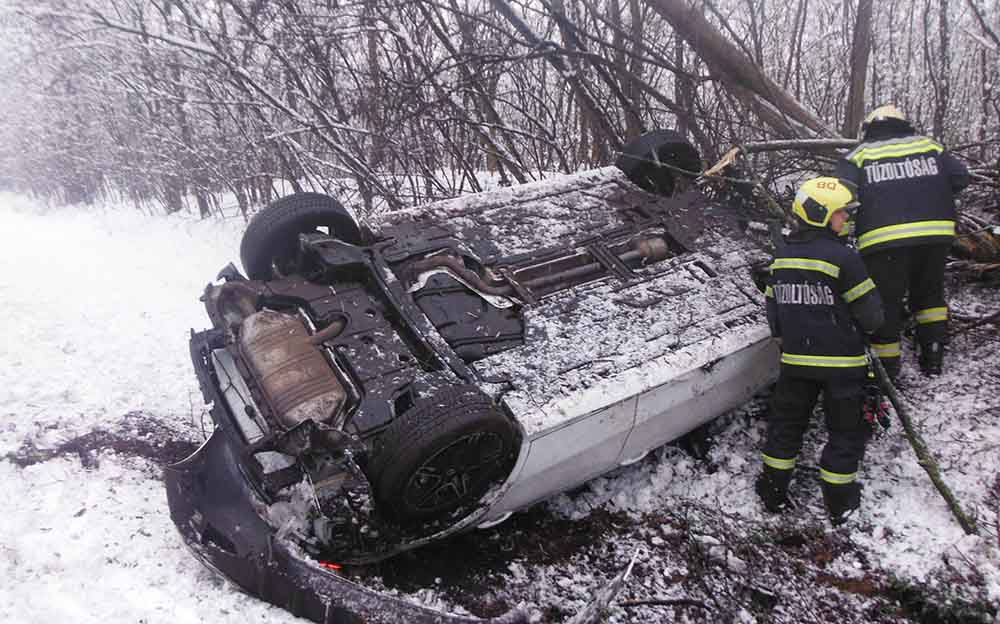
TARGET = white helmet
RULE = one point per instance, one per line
(883, 113)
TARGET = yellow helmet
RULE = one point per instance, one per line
(819, 198)
(883, 113)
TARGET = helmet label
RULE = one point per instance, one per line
(902, 169)
(803, 293)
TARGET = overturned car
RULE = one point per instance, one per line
(375, 388)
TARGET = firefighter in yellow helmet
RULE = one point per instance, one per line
(820, 303)
(905, 226)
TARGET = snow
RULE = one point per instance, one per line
(602, 343)
(98, 302)
(94, 315)
(97, 305)
(96, 546)
(552, 209)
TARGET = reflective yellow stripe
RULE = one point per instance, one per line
(806, 264)
(896, 145)
(769, 292)
(887, 349)
(778, 464)
(887, 144)
(835, 478)
(828, 361)
(932, 315)
(859, 290)
(895, 150)
(906, 230)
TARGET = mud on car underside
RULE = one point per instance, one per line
(374, 389)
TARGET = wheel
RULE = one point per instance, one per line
(272, 238)
(441, 455)
(642, 160)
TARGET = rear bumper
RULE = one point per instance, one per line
(219, 515)
(216, 513)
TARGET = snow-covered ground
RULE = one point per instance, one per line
(97, 304)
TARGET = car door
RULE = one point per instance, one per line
(569, 453)
(688, 400)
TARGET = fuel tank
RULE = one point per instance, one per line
(294, 376)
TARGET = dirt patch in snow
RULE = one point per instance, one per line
(137, 435)
(471, 567)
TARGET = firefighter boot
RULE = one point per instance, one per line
(931, 358)
(841, 500)
(772, 488)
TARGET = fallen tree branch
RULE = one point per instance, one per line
(742, 77)
(806, 145)
(924, 457)
(985, 320)
(980, 269)
(665, 602)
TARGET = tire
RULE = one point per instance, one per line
(640, 157)
(272, 238)
(441, 455)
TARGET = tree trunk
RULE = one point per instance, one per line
(172, 195)
(683, 88)
(860, 50)
(636, 66)
(623, 69)
(943, 98)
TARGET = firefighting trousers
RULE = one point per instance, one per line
(919, 272)
(791, 411)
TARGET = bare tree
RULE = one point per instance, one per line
(860, 49)
(179, 103)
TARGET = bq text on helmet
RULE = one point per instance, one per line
(818, 199)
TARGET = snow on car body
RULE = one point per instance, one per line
(612, 369)
(375, 390)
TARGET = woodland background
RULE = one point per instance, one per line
(213, 107)
(178, 103)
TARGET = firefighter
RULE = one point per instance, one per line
(818, 297)
(905, 225)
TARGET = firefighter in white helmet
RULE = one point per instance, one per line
(905, 225)
(820, 302)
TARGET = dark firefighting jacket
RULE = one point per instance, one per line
(819, 294)
(906, 188)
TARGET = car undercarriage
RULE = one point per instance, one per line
(376, 390)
